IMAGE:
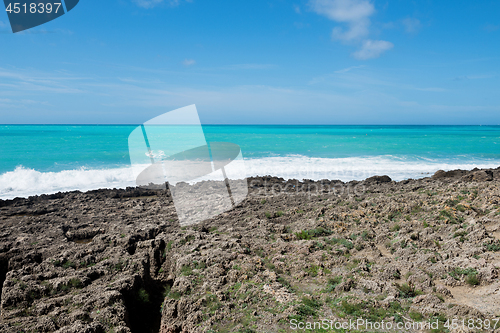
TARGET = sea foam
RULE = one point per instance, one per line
(24, 182)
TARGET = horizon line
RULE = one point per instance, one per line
(258, 124)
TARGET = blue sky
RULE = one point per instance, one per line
(257, 62)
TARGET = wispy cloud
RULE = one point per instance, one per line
(411, 25)
(147, 3)
(152, 3)
(354, 13)
(491, 27)
(372, 49)
(348, 69)
(248, 66)
(431, 89)
(472, 77)
(17, 80)
(296, 8)
(189, 62)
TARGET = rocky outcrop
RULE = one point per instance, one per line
(118, 261)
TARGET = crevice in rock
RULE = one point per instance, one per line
(4, 269)
(144, 304)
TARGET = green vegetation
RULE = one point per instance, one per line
(495, 246)
(340, 241)
(213, 303)
(75, 283)
(313, 233)
(407, 290)
(143, 296)
(307, 308)
(313, 270)
(367, 310)
(332, 283)
(397, 227)
(285, 283)
(186, 270)
(470, 273)
(186, 239)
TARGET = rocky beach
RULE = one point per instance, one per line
(118, 260)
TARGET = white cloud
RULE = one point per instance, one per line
(411, 25)
(152, 3)
(348, 69)
(147, 3)
(297, 9)
(188, 62)
(249, 66)
(473, 77)
(372, 49)
(355, 13)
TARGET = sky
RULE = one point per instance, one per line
(257, 62)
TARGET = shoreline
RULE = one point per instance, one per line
(25, 182)
(440, 174)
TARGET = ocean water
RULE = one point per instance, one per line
(37, 159)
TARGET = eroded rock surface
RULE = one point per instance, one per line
(118, 261)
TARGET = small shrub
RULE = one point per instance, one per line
(313, 270)
(416, 316)
(75, 283)
(457, 272)
(143, 296)
(308, 308)
(312, 233)
(68, 264)
(186, 270)
(472, 280)
(493, 246)
(186, 239)
(352, 309)
(285, 283)
(396, 228)
(332, 283)
(408, 290)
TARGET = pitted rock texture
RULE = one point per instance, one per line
(118, 261)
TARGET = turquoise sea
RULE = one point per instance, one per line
(37, 159)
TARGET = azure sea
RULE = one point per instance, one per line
(38, 159)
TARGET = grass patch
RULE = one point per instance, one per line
(495, 246)
(332, 283)
(397, 227)
(186, 270)
(408, 290)
(313, 233)
(340, 241)
(186, 239)
(313, 270)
